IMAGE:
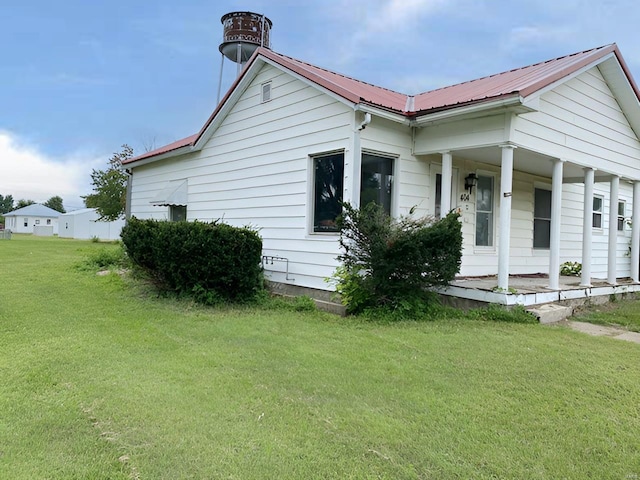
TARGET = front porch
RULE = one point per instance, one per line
(533, 290)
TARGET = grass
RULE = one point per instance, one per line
(615, 314)
(101, 379)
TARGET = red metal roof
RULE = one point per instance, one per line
(520, 81)
(167, 148)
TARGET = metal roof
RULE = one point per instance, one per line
(520, 82)
(34, 210)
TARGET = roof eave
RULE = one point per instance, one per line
(162, 156)
(505, 101)
(382, 113)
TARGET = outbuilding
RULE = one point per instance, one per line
(36, 218)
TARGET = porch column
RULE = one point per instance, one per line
(587, 227)
(447, 174)
(506, 180)
(635, 233)
(612, 267)
(556, 214)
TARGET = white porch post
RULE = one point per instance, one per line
(587, 226)
(447, 174)
(612, 267)
(506, 181)
(635, 233)
(556, 214)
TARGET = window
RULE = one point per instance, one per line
(484, 211)
(438, 207)
(597, 211)
(177, 213)
(328, 177)
(621, 209)
(48, 221)
(37, 222)
(541, 218)
(26, 222)
(266, 92)
(376, 181)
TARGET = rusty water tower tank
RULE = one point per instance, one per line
(243, 33)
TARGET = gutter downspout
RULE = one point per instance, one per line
(356, 171)
(127, 204)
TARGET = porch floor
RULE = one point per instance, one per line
(529, 290)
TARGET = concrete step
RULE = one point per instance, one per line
(550, 312)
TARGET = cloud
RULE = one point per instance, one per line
(390, 21)
(26, 173)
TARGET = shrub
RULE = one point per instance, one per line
(391, 263)
(571, 268)
(212, 262)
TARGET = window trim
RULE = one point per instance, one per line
(265, 88)
(492, 247)
(311, 191)
(620, 226)
(394, 182)
(540, 186)
(595, 212)
(171, 212)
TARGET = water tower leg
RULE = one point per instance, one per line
(239, 57)
(220, 80)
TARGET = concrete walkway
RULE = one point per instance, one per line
(602, 331)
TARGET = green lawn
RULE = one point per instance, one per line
(102, 380)
(616, 314)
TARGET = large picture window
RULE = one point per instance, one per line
(328, 171)
(484, 211)
(376, 181)
(542, 218)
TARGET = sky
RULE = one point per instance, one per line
(78, 79)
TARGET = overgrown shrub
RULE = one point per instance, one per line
(391, 263)
(212, 262)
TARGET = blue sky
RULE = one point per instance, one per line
(78, 79)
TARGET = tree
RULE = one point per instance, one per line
(110, 187)
(24, 203)
(55, 203)
(6, 204)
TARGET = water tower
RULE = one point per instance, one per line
(243, 33)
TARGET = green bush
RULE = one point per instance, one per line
(571, 268)
(212, 262)
(391, 263)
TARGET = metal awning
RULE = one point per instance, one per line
(174, 193)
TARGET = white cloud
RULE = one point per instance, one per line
(26, 173)
(386, 21)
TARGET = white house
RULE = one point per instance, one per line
(84, 224)
(543, 162)
(35, 218)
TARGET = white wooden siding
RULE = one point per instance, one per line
(461, 134)
(581, 121)
(254, 171)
